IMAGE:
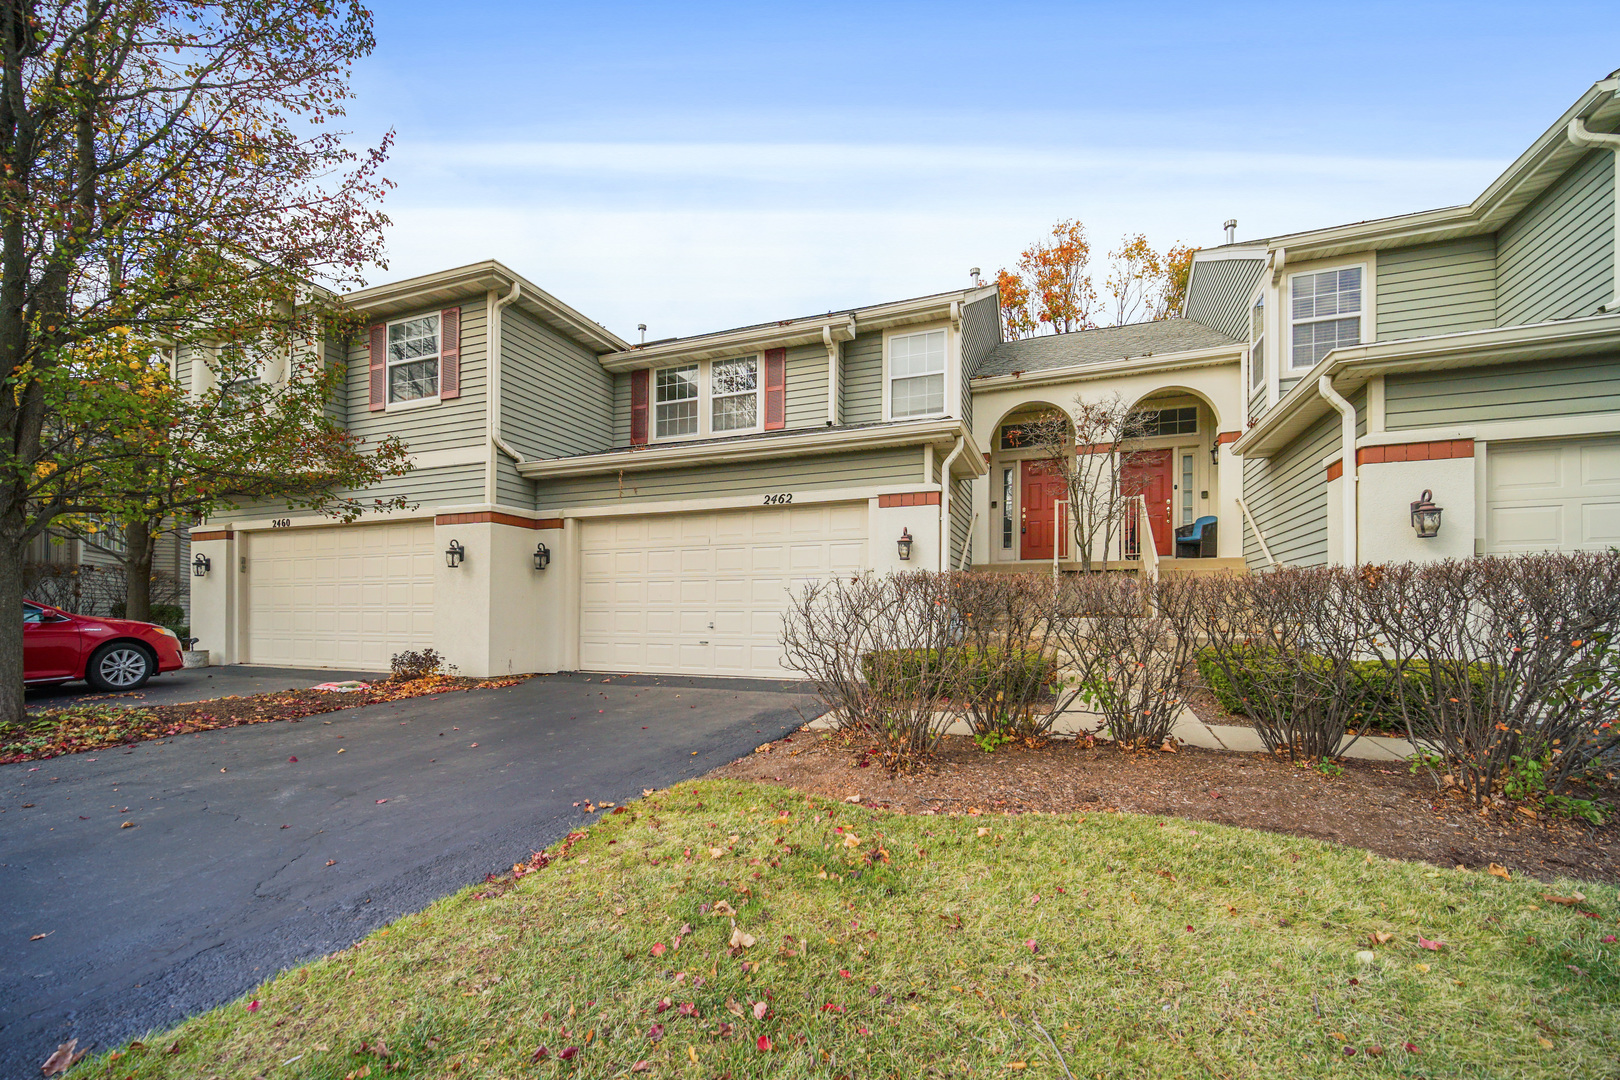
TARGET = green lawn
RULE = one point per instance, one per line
(915, 946)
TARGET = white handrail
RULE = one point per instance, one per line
(1146, 545)
(1057, 533)
(1258, 535)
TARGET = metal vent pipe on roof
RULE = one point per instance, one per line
(1231, 230)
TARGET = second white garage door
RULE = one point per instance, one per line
(1559, 495)
(345, 597)
(703, 594)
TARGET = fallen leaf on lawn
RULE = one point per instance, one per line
(760, 1009)
(540, 1054)
(253, 1006)
(659, 948)
(1567, 901)
(1375, 1051)
(852, 798)
(715, 853)
(740, 940)
(763, 1042)
(1411, 1048)
(1499, 871)
(646, 791)
(1423, 968)
(851, 840)
(722, 908)
(691, 1052)
(1546, 1043)
(734, 1007)
(1381, 938)
(655, 1032)
(569, 1054)
(60, 1062)
(983, 831)
(1032, 945)
(641, 1066)
(1432, 946)
(1366, 956)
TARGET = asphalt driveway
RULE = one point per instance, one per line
(194, 684)
(240, 862)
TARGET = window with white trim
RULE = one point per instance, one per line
(917, 374)
(675, 401)
(734, 394)
(1324, 312)
(413, 359)
(1257, 343)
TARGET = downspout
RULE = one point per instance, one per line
(1352, 472)
(945, 502)
(1580, 136)
(495, 381)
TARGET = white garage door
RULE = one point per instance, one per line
(348, 597)
(1557, 495)
(703, 594)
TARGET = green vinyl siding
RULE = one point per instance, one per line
(1287, 494)
(863, 379)
(981, 333)
(1285, 385)
(621, 409)
(961, 522)
(555, 398)
(807, 386)
(425, 488)
(510, 488)
(1555, 260)
(896, 465)
(1570, 386)
(1218, 295)
(1443, 288)
(1257, 401)
(455, 423)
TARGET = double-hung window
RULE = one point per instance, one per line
(734, 395)
(917, 374)
(413, 359)
(675, 402)
(1325, 311)
(1257, 347)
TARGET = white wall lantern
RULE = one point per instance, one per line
(1426, 515)
(542, 556)
(454, 554)
(201, 565)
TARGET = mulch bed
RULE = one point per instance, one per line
(53, 732)
(1378, 806)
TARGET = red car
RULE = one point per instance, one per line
(109, 654)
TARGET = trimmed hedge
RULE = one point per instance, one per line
(1383, 707)
(978, 674)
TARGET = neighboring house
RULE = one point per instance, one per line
(585, 503)
(54, 555)
(678, 488)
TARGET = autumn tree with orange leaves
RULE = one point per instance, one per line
(1052, 289)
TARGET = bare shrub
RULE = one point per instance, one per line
(878, 648)
(96, 591)
(1289, 643)
(415, 664)
(1127, 642)
(1516, 657)
(1011, 625)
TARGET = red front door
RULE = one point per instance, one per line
(1041, 518)
(1148, 473)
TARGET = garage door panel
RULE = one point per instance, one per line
(348, 596)
(1553, 495)
(729, 572)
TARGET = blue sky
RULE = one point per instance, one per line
(699, 166)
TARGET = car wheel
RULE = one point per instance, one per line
(119, 666)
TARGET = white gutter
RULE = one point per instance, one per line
(1350, 526)
(945, 502)
(1580, 136)
(493, 411)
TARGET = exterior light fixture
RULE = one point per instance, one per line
(454, 554)
(1426, 515)
(201, 565)
(542, 556)
(905, 545)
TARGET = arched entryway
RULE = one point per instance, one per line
(1027, 499)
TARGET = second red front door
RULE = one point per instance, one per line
(1041, 518)
(1147, 473)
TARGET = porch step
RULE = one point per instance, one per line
(1202, 567)
(1195, 567)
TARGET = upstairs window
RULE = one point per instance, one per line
(413, 359)
(1257, 343)
(734, 394)
(1324, 312)
(1156, 422)
(675, 402)
(917, 374)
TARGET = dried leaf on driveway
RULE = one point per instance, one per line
(64, 1058)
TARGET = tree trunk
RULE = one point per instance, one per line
(138, 571)
(11, 628)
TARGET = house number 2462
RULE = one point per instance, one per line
(781, 498)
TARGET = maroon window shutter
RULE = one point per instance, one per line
(378, 347)
(449, 353)
(775, 389)
(640, 392)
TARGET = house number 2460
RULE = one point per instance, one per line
(781, 498)
(281, 523)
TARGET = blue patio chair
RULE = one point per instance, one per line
(1197, 541)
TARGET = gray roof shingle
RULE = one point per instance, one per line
(1100, 346)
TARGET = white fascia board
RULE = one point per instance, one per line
(1509, 193)
(481, 277)
(1353, 366)
(1133, 365)
(833, 440)
(843, 326)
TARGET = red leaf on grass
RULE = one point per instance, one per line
(659, 949)
(253, 1006)
(641, 1066)
(655, 1032)
(760, 1009)
(540, 1054)
(763, 1042)
(569, 1054)
(1432, 946)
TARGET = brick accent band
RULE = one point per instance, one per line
(217, 534)
(1227, 437)
(484, 517)
(1418, 451)
(910, 498)
(1335, 469)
